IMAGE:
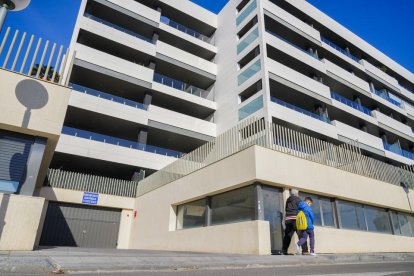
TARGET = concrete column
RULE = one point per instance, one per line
(384, 138)
(143, 136)
(371, 86)
(207, 221)
(151, 65)
(33, 166)
(147, 98)
(364, 128)
(159, 10)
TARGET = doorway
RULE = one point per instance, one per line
(272, 211)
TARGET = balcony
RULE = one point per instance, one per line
(186, 30)
(350, 103)
(300, 110)
(179, 85)
(119, 142)
(117, 27)
(395, 148)
(385, 96)
(290, 43)
(380, 75)
(106, 96)
(339, 49)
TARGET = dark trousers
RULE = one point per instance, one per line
(290, 229)
(304, 239)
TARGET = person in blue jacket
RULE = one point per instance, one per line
(305, 206)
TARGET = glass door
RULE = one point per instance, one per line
(272, 211)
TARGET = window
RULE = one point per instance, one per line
(191, 214)
(377, 220)
(352, 215)
(234, 206)
(401, 224)
(411, 223)
(251, 107)
(327, 209)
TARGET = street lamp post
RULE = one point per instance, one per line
(11, 5)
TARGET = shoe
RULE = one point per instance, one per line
(313, 254)
(298, 249)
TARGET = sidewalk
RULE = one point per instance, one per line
(92, 260)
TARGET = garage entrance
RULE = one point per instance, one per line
(80, 225)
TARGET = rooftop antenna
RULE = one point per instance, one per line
(11, 5)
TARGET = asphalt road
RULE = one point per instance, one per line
(374, 269)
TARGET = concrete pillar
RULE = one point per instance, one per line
(364, 128)
(151, 65)
(147, 98)
(384, 138)
(33, 166)
(371, 86)
(143, 136)
(159, 10)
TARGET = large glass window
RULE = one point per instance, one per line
(401, 224)
(251, 108)
(377, 220)
(411, 223)
(191, 214)
(352, 215)
(234, 206)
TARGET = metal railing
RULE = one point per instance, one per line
(350, 103)
(90, 183)
(339, 49)
(117, 27)
(395, 148)
(106, 96)
(292, 44)
(26, 56)
(185, 29)
(346, 157)
(301, 110)
(119, 142)
(185, 87)
(385, 96)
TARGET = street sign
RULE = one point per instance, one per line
(90, 198)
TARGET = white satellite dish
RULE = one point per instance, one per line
(15, 5)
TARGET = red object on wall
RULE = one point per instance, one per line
(135, 214)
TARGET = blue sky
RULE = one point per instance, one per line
(388, 25)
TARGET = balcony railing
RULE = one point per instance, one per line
(106, 96)
(185, 29)
(119, 142)
(300, 110)
(339, 49)
(385, 96)
(90, 183)
(292, 44)
(395, 148)
(185, 87)
(350, 103)
(117, 27)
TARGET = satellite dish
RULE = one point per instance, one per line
(15, 5)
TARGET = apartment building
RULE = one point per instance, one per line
(168, 90)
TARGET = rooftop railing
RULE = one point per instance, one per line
(292, 44)
(185, 29)
(185, 87)
(250, 132)
(339, 49)
(119, 142)
(34, 57)
(117, 27)
(106, 96)
(395, 148)
(301, 110)
(385, 96)
(350, 103)
(90, 183)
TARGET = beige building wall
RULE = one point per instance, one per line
(155, 225)
(34, 107)
(20, 218)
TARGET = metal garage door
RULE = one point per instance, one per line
(80, 225)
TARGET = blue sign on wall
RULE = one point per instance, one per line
(90, 198)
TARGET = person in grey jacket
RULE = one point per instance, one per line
(291, 210)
